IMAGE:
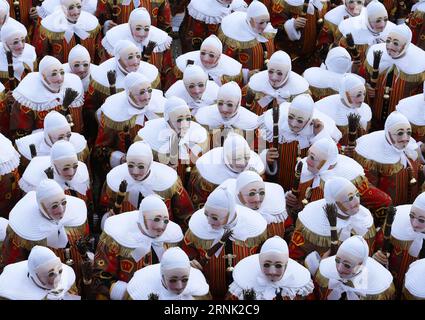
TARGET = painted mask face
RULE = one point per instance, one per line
(196, 88)
(252, 195)
(297, 119)
(60, 134)
(209, 56)
(138, 168)
(217, 217)
(400, 135)
(67, 168)
(156, 222)
(16, 44)
(378, 24)
(356, 96)
(50, 273)
(72, 10)
(240, 159)
(180, 120)
(176, 279)
(273, 265)
(347, 265)
(54, 77)
(227, 107)
(395, 45)
(259, 24)
(80, 67)
(354, 7)
(277, 75)
(55, 206)
(315, 160)
(130, 59)
(140, 31)
(417, 219)
(348, 200)
(141, 94)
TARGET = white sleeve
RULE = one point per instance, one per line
(312, 262)
(293, 34)
(118, 290)
(115, 159)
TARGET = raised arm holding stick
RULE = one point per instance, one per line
(353, 127)
(116, 208)
(112, 79)
(382, 255)
(354, 53)
(331, 213)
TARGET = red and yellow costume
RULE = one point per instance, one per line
(9, 177)
(159, 11)
(21, 237)
(33, 101)
(118, 256)
(161, 180)
(312, 230)
(240, 43)
(248, 234)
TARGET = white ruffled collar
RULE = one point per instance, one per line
(34, 174)
(322, 78)
(118, 108)
(100, 74)
(336, 15)
(212, 168)
(123, 32)
(249, 224)
(273, 208)
(148, 280)
(243, 119)
(248, 275)
(208, 11)
(160, 178)
(157, 133)
(235, 26)
(25, 60)
(124, 229)
(32, 93)
(57, 22)
(314, 218)
(305, 137)
(27, 221)
(294, 85)
(345, 167)
(373, 280)
(382, 151)
(9, 157)
(412, 62)
(15, 284)
(209, 97)
(338, 111)
(42, 149)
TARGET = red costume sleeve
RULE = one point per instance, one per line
(22, 121)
